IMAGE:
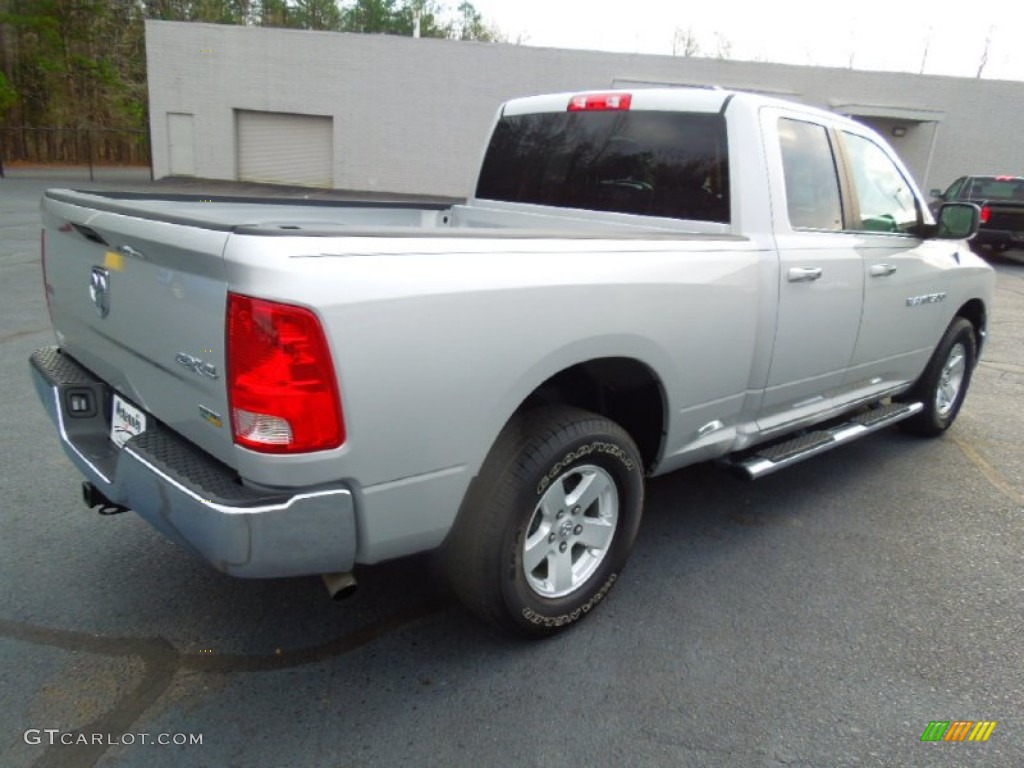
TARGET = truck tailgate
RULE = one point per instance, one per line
(140, 303)
(1003, 215)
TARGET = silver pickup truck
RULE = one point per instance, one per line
(641, 280)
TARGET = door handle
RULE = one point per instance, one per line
(882, 270)
(804, 274)
(130, 252)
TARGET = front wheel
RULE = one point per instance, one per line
(549, 523)
(943, 385)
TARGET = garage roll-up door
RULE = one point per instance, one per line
(285, 148)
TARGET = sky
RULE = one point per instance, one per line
(937, 38)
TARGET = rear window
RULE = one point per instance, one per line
(669, 164)
(995, 188)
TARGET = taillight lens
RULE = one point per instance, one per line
(986, 214)
(600, 102)
(282, 391)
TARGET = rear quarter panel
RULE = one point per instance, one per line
(436, 349)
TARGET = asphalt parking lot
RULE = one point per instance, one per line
(822, 616)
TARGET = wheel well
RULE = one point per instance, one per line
(621, 389)
(974, 312)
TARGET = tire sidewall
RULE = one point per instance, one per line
(619, 458)
(959, 332)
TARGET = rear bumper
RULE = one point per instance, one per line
(191, 497)
(1004, 237)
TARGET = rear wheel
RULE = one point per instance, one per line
(943, 385)
(549, 522)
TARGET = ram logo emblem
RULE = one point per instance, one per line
(99, 290)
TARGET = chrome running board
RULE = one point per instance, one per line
(775, 456)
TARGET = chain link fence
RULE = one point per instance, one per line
(96, 149)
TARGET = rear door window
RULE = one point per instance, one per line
(812, 182)
(667, 164)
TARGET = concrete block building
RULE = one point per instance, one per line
(394, 114)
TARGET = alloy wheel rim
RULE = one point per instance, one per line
(951, 379)
(571, 531)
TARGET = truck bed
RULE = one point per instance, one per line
(291, 216)
(225, 213)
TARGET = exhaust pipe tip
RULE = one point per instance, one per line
(340, 585)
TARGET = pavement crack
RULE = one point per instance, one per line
(1001, 366)
(991, 474)
(22, 334)
(162, 661)
(332, 648)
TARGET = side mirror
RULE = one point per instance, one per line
(936, 193)
(958, 221)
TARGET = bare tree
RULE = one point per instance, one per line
(684, 42)
(723, 46)
(927, 46)
(984, 52)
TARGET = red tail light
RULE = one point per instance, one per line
(986, 214)
(282, 391)
(599, 102)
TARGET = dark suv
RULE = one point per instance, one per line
(1001, 199)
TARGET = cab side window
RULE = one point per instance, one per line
(884, 197)
(809, 168)
(954, 189)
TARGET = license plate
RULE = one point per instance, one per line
(126, 421)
